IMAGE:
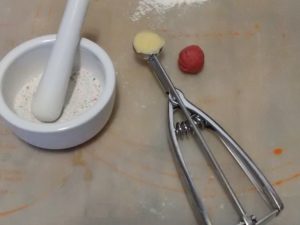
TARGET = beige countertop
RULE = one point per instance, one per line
(125, 175)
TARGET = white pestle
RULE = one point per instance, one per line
(49, 99)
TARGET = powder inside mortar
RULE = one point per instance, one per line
(83, 92)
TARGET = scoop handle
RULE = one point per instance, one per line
(50, 96)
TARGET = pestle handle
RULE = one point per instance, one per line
(49, 98)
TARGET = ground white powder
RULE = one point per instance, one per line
(84, 91)
(159, 6)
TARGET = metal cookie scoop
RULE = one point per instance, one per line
(196, 121)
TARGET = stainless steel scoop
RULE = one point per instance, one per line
(196, 121)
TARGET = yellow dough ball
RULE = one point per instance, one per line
(148, 42)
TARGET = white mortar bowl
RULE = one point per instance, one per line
(29, 59)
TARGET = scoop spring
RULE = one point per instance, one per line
(184, 128)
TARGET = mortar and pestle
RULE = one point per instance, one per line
(55, 58)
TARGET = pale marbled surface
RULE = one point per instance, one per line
(125, 175)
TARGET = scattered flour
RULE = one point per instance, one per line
(84, 91)
(159, 6)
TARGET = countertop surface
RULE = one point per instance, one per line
(126, 175)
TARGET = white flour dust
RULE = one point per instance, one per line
(83, 92)
(159, 6)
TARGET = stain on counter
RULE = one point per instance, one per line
(278, 151)
(248, 32)
(13, 211)
(287, 179)
(78, 160)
